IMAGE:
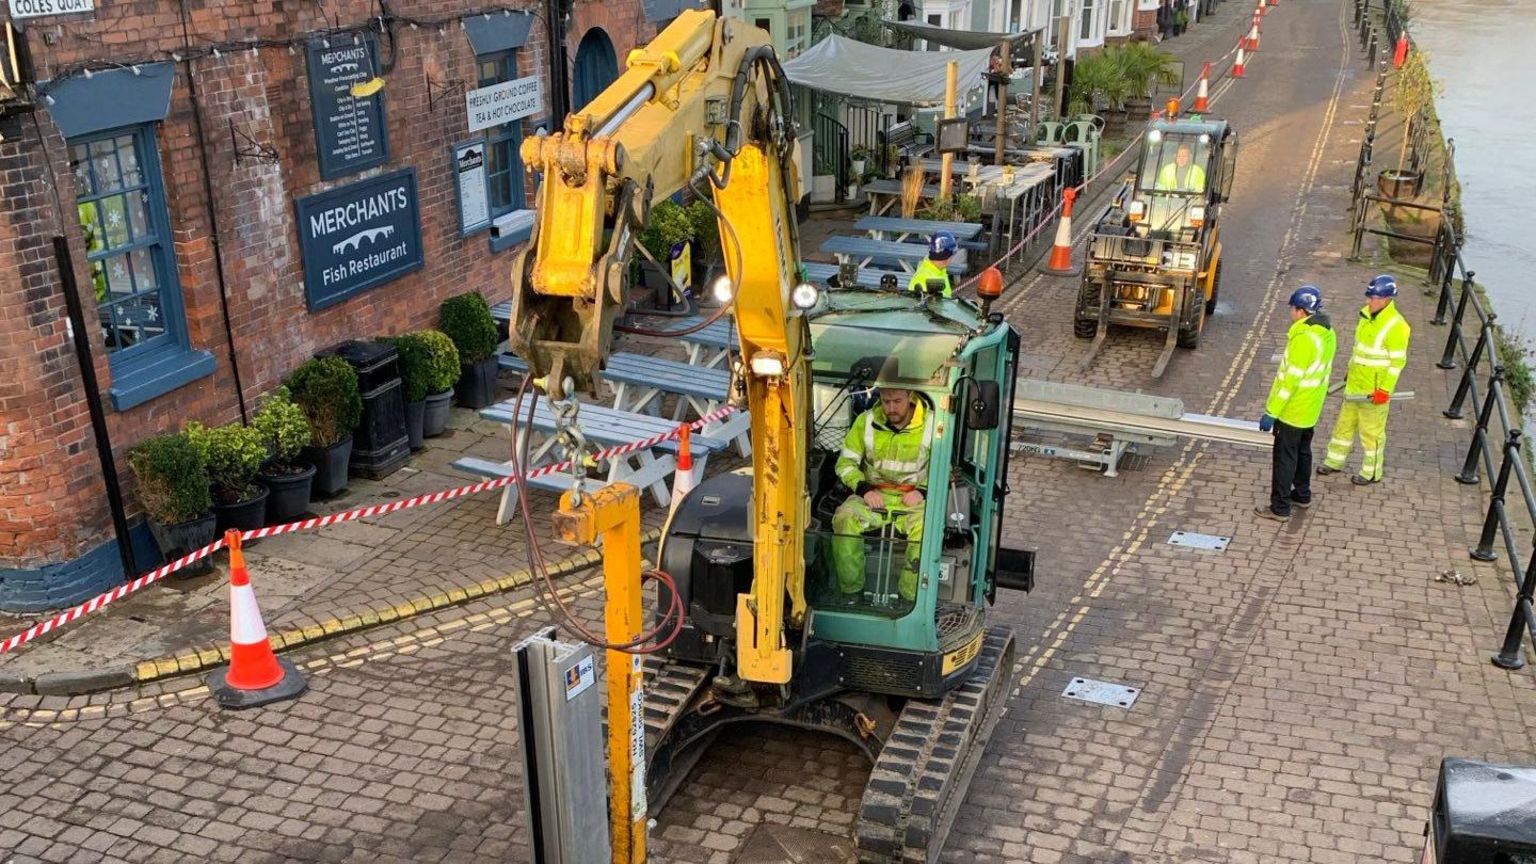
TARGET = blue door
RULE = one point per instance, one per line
(596, 67)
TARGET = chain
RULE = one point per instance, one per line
(570, 440)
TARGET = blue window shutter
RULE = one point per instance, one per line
(110, 99)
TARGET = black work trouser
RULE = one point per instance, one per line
(1291, 473)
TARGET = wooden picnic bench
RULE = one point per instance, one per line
(906, 255)
(818, 271)
(639, 381)
(900, 229)
(648, 468)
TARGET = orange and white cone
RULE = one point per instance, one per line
(1253, 36)
(683, 479)
(255, 675)
(1237, 65)
(1060, 263)
(1202, 95)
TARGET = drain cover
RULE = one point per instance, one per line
(1196, 540)
(1102, 692)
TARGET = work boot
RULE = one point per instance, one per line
(1325, 470)
(1302, 504)
(1361, 481)
(1267, 513)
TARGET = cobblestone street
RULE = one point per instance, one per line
(1297, 690)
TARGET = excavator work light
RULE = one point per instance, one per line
(804, 296)
(768, 365)
(722, 290)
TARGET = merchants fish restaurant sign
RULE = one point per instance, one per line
(358, 237)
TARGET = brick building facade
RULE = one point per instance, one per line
(185, 134)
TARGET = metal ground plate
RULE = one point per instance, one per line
(1196, 540)
(1102, 692)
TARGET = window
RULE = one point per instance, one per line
(764, 25)
(1116, 14)
(126, 226)
(799, 22)
(503, 163)
(1085, 29)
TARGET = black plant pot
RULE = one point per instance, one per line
(247, 515)
(434, 416)
(330, 466)
(177, 540)
(415, 414)
(477, 383)
(288, 497)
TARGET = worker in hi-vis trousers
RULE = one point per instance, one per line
(884, 462)
(1381, 351)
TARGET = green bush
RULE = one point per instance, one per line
(415, 366)
(706, 232)
(172, 482)
(325, 389)
(965, 208)
(466, 319)
(443, 360)
(232, 454)
(667, 225)
(1141, 66)
(283, 428)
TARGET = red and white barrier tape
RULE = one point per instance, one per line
(1130, 148)
(121, 591)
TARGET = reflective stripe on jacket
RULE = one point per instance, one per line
(1296, 397)
(1381, 351)
(875, 453)
(926, 270)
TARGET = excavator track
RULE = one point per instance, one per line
(921, 776)
(670, 691)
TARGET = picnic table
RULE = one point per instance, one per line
(885, 194)
(818, 271)
(648, 468)
(639, 382)
(900, 229)
(906, 255)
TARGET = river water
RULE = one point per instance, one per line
(1483, 52)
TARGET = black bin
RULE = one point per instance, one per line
(1483, 814)
(380, 445)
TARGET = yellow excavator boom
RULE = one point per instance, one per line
(705, 106)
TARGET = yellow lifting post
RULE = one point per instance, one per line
(612, 515)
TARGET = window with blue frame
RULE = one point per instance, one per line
(126, 226)
(503, 163)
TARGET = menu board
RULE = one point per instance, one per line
(349, 131)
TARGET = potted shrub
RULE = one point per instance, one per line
(466, 319)
(284, 433)
(859, 156)
(233, 454)
(443, 373)
(414, 369)
(325, 389)
(1143, 68)
(707, 251)
(1097, 77)
(172, 487)
(1413, 95)
(669, 224)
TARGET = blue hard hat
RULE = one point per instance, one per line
(1307, 298)
(942, 245)
(1382, 286)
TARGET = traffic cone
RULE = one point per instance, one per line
(1253, 35)
(1237, 65)
(1400, 51)
(1202, 94)
(1274, 2)
(683, 479)
(1060, 263)
(255, 675)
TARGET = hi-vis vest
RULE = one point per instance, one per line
(1296, 397)
(1169, 179)
(929, 270)
(1381, 351)
(875, 453)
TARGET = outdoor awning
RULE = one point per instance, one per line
(963, 40)
(852, 68)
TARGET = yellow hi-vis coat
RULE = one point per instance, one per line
(875, 456)
(1381, 351)
(926, 270)
(1301, 384)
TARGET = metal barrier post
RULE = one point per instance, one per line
(1448, 359)
(1484, 550)
(1469, 475)
(1454, 412)
(1509, 653)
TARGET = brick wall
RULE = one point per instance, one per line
(51, 494)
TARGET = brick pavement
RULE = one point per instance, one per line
(1298, 690)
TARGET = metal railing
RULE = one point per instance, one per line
(1472, 345)
(829, 152)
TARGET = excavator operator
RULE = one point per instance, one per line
(884, 461)
(1179, 175)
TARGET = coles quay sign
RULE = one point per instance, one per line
(38, 8)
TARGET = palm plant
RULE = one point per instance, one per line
(1142, 66)
(1096, 77)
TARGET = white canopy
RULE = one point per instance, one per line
(852, 68)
